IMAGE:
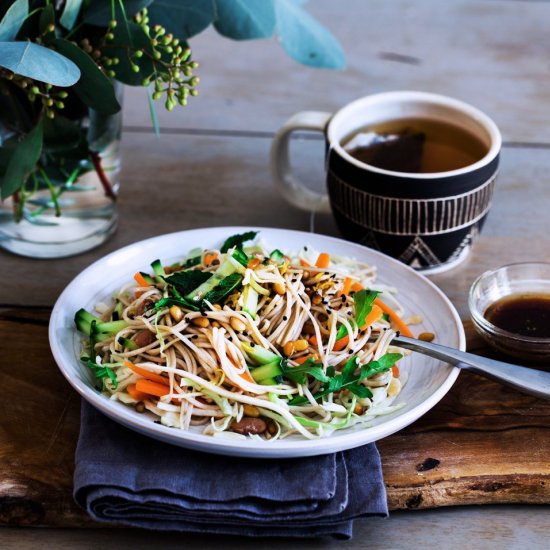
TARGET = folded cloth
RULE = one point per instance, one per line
(124, 477)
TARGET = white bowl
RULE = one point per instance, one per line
(428, 380)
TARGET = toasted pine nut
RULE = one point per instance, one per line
(217, 307)
(301, 345)
(237, 324)
(426, 336)
(253, 263)
(305, 275)
(288, 349)
(272, 427)
(202, 322)
(316, 299)
(394, 387)
(358, 409)
(176, 313)
(251, 410)
(279, 288)
(140, 407)
(216, 324)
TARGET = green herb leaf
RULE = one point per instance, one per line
(100, 371)
(39, 63)
(187, 281)
(225, 287)
(93, 88)
(342, 331)
(240, 256)
(305, 39)
(23, 161)
(383, 364)
(13, 19)
(298, 374)
(178, 301)
(242, 20)
(363, 301)
(359, 390)
(238, 240)
(349, 380)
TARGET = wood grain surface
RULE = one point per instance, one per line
(483, 443)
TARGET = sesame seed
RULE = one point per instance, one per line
(285, 318)
(252, 344)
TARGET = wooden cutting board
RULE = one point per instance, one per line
(481, 444)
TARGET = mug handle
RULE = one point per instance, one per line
(292, 189)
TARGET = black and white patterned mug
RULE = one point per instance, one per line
(426, 219)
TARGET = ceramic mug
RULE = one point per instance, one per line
(426, 220)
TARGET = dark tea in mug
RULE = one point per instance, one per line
(415, 145)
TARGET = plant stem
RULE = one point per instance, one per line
(108, 188)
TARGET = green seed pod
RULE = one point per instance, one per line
(49, 102)
(110, 36)
(157, 95)
(135, 68)
(50, 114)
(60, 104)
(50, 28)
(170, 104)
(157, 55)
(154, 42)
(194, 92)
(145, 82)
(115, 60)
(182, 101)
(35, 90)
(139, 53)
(112, 24)
(111, 74)
(23, 84)
(63, 94)
(194, 81)
(31, 97)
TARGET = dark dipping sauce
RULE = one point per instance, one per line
(523, 314)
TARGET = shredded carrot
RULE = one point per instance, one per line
(140, 280)
(152, 388)
(302, 360)
(323, 260)
(348, 281)
(394, 318)
(356, 287)
(395, 371)
(303, 263)
(135, 394)
(374, 315)
(147, 374)
(253, 263)
(313, 341)
(340, 344)
(209, 258)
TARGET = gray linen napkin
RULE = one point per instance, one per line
(124, 477)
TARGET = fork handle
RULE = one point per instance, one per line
(531, 381)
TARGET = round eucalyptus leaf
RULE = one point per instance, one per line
(39, 63)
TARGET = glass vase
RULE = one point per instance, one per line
(68, 203)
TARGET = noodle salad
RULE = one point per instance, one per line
(250, 342)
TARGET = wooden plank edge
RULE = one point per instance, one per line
(505, 489)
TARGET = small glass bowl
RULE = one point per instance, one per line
(513, 279)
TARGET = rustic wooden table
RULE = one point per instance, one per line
(210, 167)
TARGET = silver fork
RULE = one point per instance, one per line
(531, 381)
